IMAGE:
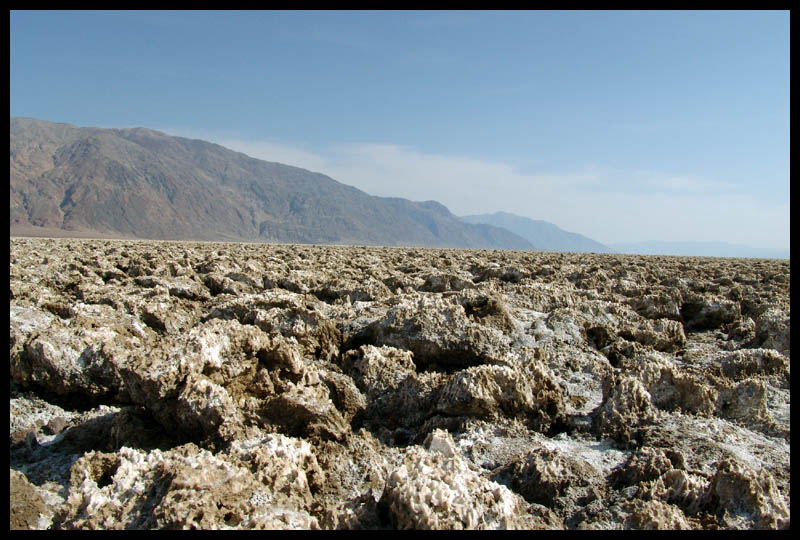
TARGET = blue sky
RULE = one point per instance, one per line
(622, 126)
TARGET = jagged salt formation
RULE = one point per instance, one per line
(243, 386)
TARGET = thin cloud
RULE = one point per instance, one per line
(660, 182)
(692, 184)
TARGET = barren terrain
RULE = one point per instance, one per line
(159, 385)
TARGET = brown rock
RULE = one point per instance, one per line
(26, 505)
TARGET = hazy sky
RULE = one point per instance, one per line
(622, 126)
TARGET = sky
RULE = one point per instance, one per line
(621, 126)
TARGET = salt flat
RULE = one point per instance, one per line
(228, 385)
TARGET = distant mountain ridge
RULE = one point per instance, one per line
(142, 183)
(542, 234)
(701, 249)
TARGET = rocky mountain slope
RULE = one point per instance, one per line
(140, 183)
(166, 385)
(544, 235)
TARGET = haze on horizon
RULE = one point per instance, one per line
(621, 126)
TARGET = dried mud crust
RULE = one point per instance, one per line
(166, 385)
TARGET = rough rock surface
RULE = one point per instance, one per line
(165, 385)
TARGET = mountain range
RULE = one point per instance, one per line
(140, 183)
(542, 234)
